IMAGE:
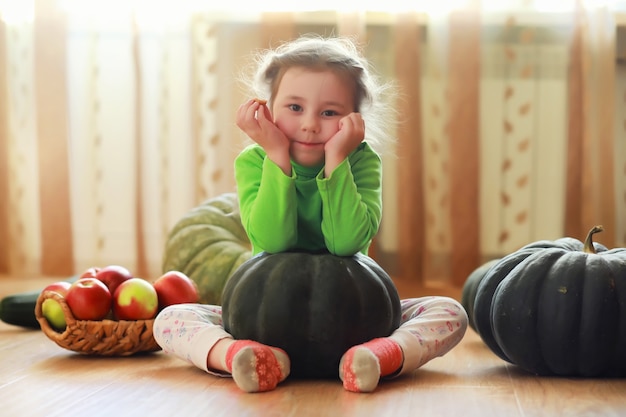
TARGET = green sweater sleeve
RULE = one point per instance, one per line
(267, 200)
(352, 202)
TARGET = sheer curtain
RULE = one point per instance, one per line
(115, 121)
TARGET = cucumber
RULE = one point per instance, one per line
(19, 309)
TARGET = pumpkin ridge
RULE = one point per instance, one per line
(245, 311)
(324, 287)
(376, 274)
(204, 233)
(619, 273)
(468, 294)
(208, 231)
(483, 303)
(516, 337)
(389, 286)
(598, 319)
(204, 236)
(559, 312)
(274, 276)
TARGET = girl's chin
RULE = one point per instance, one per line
(308, 160)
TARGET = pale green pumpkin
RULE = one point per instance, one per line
(208, 244)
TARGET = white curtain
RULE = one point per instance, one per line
(115, 121)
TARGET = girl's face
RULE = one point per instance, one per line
(307, 108)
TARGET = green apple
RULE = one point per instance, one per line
(53, 312)
(135, 299)
(51, 309)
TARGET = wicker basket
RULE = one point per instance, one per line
(103, 337)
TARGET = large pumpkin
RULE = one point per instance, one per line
(208, 244)
(314, 306)
(557, 308)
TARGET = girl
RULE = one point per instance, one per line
(312, 181)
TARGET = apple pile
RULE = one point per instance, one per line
(112, 292)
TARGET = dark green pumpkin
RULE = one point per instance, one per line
(557, 308)
(314, 306)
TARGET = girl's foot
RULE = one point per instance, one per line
(362, 366)
(256, 367)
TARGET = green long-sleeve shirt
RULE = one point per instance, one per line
(307, 211)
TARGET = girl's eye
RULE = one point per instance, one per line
(329, 113)
(294, 107)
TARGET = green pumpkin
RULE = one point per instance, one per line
(468, 294)
(314, 306)
(208, 244)
(557, 308)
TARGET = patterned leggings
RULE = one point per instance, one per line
(429, 328)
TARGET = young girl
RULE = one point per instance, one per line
(312, 181)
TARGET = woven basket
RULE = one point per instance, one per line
(102, 337)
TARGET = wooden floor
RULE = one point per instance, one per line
(38, 378)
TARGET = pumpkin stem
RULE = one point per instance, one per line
(588, 247)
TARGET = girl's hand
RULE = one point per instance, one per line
(350, 134)
(255, 120)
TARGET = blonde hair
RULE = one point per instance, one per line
(338, 54)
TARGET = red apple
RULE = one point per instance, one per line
(90, 272)
(60, 287)
(135, 299)
(174, 287)
(88, 299)
(113, 276)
